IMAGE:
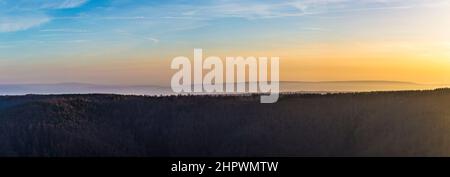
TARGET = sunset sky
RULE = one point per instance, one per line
(133, 41)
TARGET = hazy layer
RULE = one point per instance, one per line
(315, 87)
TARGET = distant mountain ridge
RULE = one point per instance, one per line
(81, 88)
(356, 81)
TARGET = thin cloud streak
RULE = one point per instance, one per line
(20, 15)
(20, 23)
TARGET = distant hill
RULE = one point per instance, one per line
(285, 86)
(404, 123)
(81, 88)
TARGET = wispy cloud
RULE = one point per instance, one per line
(19, 15)
(64, 30)
(76, 41)
(63, 4)
(253, 9)
(18, 23)
(34, 5)
(154, 40)
(198, 11)
(135, 36)
(313, 29)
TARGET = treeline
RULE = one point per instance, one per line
(410, 123)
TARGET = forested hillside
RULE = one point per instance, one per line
(409, 123)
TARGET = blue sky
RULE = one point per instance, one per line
(54, 33)
(100, 22)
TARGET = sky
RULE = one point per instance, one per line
(133, 41)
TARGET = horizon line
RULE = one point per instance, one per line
(284, 81)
